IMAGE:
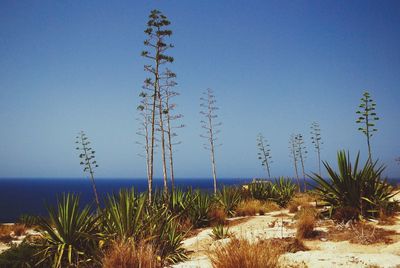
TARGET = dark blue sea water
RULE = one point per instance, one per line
(29, 196)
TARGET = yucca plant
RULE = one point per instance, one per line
(169, 241)
(261, 190)
(220, 232)
(229, 198)
(284, 191)
(70, 234)
(361, 189)
(123, 215)
(201, 206)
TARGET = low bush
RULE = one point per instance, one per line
(217, 215)
(345, 214)
(262, 254)
(220, 232)
(241, 253)
(293, 207)
(127, 255)
(253, 207)
(306, 220)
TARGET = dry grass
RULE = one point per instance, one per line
(346, 214)
(217, 216)
(306, 220)
(293, 207)
(253, 207)
(263, 254)
(127, 255)
(359, 233)
(7, 232)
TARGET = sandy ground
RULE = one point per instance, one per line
(322, 253)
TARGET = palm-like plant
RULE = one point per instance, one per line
(201, 206)
(70, 234)
(261, 190)
(229, 198)
(284, 191)
(362, 189)
(123, 215)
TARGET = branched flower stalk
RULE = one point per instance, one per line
(87, 161)
(264, 153)
(211, 127)
(168, 93)
(294, 156)
(367, 118)
(157, 33)
(317, 141)
(302, 155)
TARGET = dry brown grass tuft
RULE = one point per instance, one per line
(241, 253)
(360, 233)
(345, 214)
(293, 207)
(127, 255)
(262, 254)
(8, 231)
(306, 220)
(253, 207)
(217, 216)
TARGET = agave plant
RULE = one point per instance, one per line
(169, 241)
(262, 190)
(229, 198)
(284, 191)
(123, 215)
(70, 234)
(219, 232)
(201, 206)
(361, 189)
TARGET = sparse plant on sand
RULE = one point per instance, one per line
(306, 220)
(220, 232)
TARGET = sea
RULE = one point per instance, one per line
(30, 196)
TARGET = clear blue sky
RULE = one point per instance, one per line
(275, 66)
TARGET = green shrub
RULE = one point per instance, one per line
(361, 189)
(219, 232)
(229, 198)
(284, 191)
(70, 234)
(201, 206)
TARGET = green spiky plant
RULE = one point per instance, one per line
(362, 189)
(284, 191)
(229, 198)
(367, 118)
(220, 232)
(261, 190)
(201, 206)
(70, 234)
(87, 161)
(123, 215)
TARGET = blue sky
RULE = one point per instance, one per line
(275, 66)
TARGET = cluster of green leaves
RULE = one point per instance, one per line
(280, 191)
(229, 198)
(220, 232)
(360, 188)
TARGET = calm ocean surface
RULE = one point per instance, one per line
(29, 196)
